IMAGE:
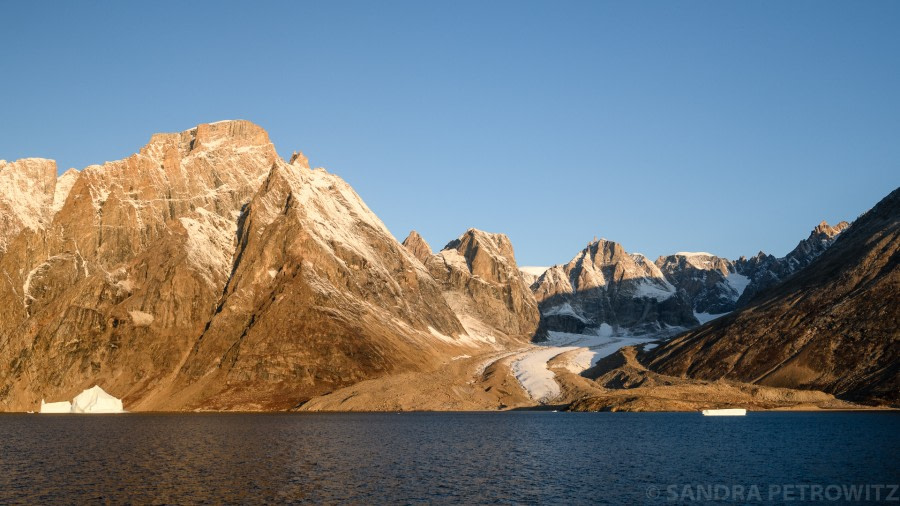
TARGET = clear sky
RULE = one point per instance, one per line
(715, 126)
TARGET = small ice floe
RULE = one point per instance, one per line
(724, 412)
(94, 400)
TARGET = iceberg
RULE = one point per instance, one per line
(724, 412)
(94, 400)
(56, 407)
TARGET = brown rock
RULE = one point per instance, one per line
(834, 326)
(417, 246)
(483, 285)
(26, 196)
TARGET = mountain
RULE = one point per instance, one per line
(121, 278)
(27, 194)
(205, 272)
(765, 271)
(832, 326)
(712, 284)
(483, 285)
(605, 285)
(717, 285)
(416, 245)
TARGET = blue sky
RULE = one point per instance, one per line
(715, 126)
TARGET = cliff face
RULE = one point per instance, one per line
(321, 296)
(710, 282)
(833, 326)
(604, 285)
(482, 283)
(123, 277)
(766, 271)
(27, 192)
(200, 263)
(415, 244)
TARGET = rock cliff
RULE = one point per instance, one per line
(833, 326)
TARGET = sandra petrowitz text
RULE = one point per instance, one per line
(784, 492)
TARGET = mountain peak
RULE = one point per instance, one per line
(417, 245)
(299, 159)
(209, 136)
(825, 229)
(482, 250)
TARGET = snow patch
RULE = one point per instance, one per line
(534, 271)
(738, 282)
(565, 309)
(209, 243)
(63, 187)
(649, 289)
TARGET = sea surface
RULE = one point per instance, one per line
(511, 457)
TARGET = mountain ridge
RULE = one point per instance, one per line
(205, 272)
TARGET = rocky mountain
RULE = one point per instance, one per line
(711, 283)
(416, 245)
(604, 285)
(122, 278)
(717, 285)
(205, 272)
(832, 326)
(483, 285)
(27, 195)
(765, 271)
(677, 292)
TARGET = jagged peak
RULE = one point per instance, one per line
(605, 251)
(417, 245)
(596, 242)
(824, 228)
(299, 159)
(495, 240)
(481, 250)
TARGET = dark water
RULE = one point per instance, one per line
(523, 457)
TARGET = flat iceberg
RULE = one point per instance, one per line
(56, 407)
(94, 400)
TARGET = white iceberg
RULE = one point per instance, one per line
(96, 400)
(92, 401)
(56, 407)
